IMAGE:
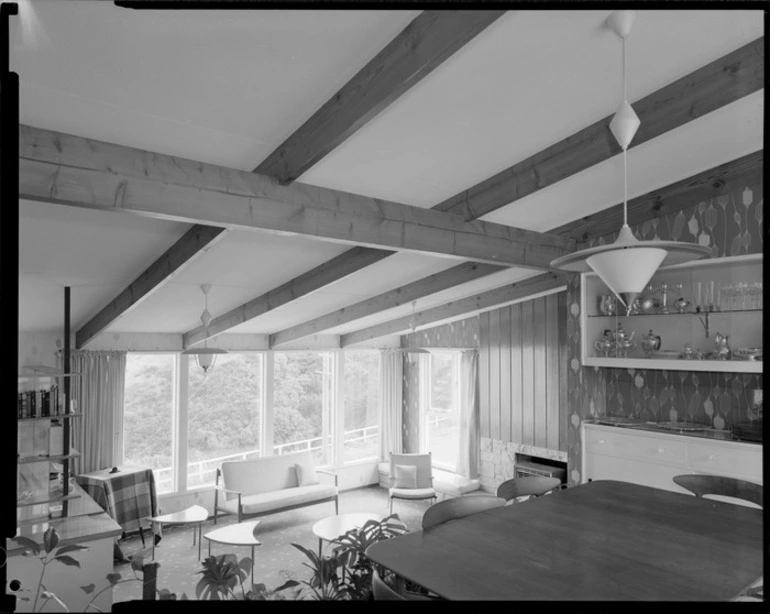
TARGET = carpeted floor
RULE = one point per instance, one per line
(276, 559)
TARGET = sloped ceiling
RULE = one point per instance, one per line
(227, 87)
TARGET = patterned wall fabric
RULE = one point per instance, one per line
(456, 335)
(411, 419)
(732, 224)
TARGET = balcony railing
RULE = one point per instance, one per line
(204, 472)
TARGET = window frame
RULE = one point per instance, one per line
(426, 393)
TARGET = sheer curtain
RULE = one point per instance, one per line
(467, 461)
(98, 392)
(391, 393)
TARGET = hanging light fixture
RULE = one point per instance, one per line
(627, 265)
(205, 356)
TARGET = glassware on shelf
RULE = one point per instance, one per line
(608, 304)
(650, 343)
(722, 347)
(664, 304)
(681, 304)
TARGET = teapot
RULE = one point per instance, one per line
(722, 349)
(605, 344)
(624, 341)
(650, 343)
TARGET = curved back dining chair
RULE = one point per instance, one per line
(411, 477)
(528, 485)
(464, 505)
(381, 591)
(701, 485)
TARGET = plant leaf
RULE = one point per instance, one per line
(113, 578)
(137, 562)
(88, 588)
(67, 560)
(28, 543)
(50, 539)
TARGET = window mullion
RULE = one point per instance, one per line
(181, 388)
(268, 387)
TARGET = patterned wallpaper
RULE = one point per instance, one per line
(732, 224)
(457, 335)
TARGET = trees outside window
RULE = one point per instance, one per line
(302, 401)
(224, 410)
(362, 400)
(148, 415)
(442, 418)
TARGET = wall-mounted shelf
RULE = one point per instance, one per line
(42, 459)
(49, 418)
(50, 499)
(742, 325)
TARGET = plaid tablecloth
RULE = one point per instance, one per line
(127, 496)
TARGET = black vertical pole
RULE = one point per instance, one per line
(9, 290)
(67, 392)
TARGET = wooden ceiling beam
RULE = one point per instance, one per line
(711, 87)
(670, 199)
(194, 242)
(491, 299)
(719, 83)
(165, 187)
(332, 270)
(460, 274)
(422, 46)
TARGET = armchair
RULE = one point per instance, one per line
(411, 477)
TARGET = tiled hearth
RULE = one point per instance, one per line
(497, 458)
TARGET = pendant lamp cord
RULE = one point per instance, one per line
(625, 173)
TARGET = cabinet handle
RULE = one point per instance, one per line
(661, 451)
(601, 441)
(711, 457)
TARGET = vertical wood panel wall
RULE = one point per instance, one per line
(522, 373)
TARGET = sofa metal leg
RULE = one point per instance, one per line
(337, 505)
(391, 505)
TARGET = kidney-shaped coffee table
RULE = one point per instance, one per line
(331, 528)
(195, 515)
(241, 534)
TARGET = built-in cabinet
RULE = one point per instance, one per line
(653, 458)
(685, 305)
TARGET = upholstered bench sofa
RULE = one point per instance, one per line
(261, 486)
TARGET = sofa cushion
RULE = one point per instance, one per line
(268, 501)
(306, 475)
(266, 474)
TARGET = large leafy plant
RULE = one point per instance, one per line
(222, 575)
(346, 573)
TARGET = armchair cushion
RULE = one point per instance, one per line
(412, 493)
(406, 476)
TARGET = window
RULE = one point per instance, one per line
(302, 401)
(224, 410)
(362, 393)
(443, 411)
(148, 415)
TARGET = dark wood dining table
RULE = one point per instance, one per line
(600, 541)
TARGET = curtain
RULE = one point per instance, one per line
(391, 400)
(467, 461)
(98, 393)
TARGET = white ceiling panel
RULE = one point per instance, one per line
(224, 87)
(531, 79)
(721, 136)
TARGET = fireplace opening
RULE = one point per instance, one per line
(524, 464)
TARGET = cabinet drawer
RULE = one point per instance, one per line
(598, 467)
(651, 449)
(723, 460)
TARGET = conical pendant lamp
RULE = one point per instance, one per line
(627, 265)
(206, 357)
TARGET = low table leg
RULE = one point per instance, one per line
(200, 524)
(320, 547)
(252, 566)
